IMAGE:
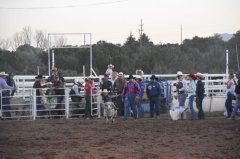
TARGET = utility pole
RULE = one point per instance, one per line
(181, 35)
(140, 33)
(237, 57)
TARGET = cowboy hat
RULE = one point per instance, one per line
(39, 76)
(91, 77)
(192, 75)
(79, 80)
(138, 77)
(153, 77)
(120, 74)
(199, 75)
(105, 91)
(3, 74)
(130, 77)
(179, 73)
(111, 65)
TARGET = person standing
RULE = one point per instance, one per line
(109, 70)
(237, 94)
(200, 90)
(140, 111)
(181, 89)
(4, 95)
(89, 86)
(118, 88)
(153, 93)
(130, 94)
(231, 83)
(192, 94)
(39, 93)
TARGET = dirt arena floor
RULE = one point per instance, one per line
(212, 138)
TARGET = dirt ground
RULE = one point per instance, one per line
(147, 138)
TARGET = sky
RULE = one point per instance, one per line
(114, 20)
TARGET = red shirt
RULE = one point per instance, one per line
(88, 87)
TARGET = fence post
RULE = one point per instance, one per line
(34, 105)
(98, 102)
(66, 103)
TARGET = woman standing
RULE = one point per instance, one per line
(192, 93)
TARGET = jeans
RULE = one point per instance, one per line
(235, 109)
(228, 103)
(154, 101)
(129, 103)
(40, 107)
(88, 106)
(199, 106)
(59, 104)
(120, 105)
(190, 104)
(181, 99)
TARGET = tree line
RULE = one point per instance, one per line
(206, 55)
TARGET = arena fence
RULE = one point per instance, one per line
(27, 106)
(23, 105)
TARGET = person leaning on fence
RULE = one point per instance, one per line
(75, 94)
(130, 95)
(89, 86)
(191, 90)
(39, 93)
(153, 93)
(58, 84)
(11, 83)
(200, 90)
(118, 88)
(231, 83)
(4, 95)
(237, 95)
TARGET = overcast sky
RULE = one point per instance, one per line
(113, 20)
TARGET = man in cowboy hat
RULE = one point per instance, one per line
(140, 112)
(200, 90)
(89, 86)
(39, 93)
(153, 93)
(118, 88)
(181, 90)
(5, 101)
(75, 95)
(130, 94)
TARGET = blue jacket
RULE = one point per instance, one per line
(153, 89)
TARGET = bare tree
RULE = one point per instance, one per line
(5, 44)
(27, 35)
(41, 39)
(17, 40)
(60, 40)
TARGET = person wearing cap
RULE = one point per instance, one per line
(153, 93)
(140, 111)
(200, 90)
(4, 95)
(75, 94)
(89, 86)
(231, 83)
(118, 88)
(131, 95)
(191, 90)
(109, 70)
(181, 90)
(237, 95)
(39, 93)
